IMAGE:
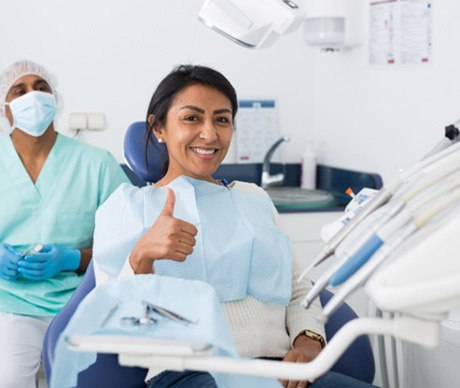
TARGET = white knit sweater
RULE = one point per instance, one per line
(261, 329)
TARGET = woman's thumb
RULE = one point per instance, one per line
(168, 208)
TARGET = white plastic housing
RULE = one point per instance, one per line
(334, 24)
(252, 23)
(424, 279)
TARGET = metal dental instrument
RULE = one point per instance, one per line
(167, 313)
(145, 320)
(32, 250)
(110, 314)
(379, 199)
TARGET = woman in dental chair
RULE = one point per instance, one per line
(195, 227)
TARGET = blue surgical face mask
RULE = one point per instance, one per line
(33, 112)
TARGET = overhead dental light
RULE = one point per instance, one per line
(328, 24)
(252, 23)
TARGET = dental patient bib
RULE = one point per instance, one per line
(119, 300)
(239, 250)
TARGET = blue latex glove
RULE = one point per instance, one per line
(48, 262)
(9, 259)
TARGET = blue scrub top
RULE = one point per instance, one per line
(58, 209)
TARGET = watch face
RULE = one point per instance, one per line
(315, 336)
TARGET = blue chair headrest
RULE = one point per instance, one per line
(150, 168)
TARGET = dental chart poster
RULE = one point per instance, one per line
(400, 33)
(256, 129)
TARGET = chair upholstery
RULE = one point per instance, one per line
(150, 168)
(357, 361)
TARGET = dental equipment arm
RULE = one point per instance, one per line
(451, 137)
(370, 226)
(147, 353)
(382, 197)
(398, 222)
(379, 199)
(364, 272)
(369, 243)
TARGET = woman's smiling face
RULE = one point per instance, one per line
(197, 133)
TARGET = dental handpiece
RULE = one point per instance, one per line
(379, 199)
(416, 201)
(344, 256)
(394, 217)
(360, 277)
(398, 237)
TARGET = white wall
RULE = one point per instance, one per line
(109, 56)
(383, 120)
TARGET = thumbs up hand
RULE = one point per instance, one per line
(168, 238)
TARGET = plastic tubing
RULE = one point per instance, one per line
(342, 258)
(390, 228)
(382, 197)
(384, 252)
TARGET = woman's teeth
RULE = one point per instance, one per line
(204, 151)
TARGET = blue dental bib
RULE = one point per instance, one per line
(239, 250)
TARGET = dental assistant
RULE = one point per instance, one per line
(190, 225)
(50, 188)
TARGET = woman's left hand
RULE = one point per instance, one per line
(305, 350)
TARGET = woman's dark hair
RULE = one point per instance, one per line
(178, 79)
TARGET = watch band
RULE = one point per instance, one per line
(313, 335)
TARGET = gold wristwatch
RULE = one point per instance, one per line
(314, 336)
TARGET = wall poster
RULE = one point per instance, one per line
(400, 32)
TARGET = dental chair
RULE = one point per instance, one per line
(357, 361)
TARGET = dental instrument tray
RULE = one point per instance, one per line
(137, 344)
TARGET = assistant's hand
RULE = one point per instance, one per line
(168, 238)
(305, 350)
(48, 262)
(9, 259)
